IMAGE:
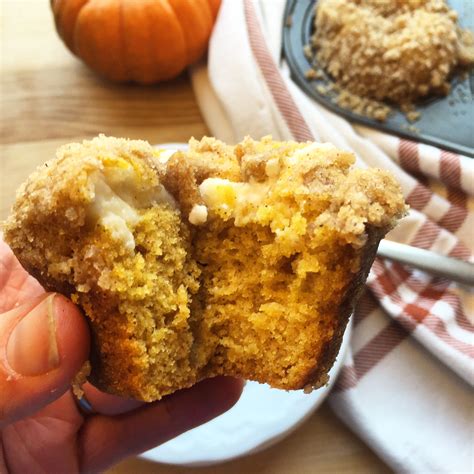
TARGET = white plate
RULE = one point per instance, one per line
(261, 417)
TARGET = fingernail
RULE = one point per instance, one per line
(32, 348)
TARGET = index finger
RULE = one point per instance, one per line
(106, 440)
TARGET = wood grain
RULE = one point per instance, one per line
(64, 102)
(47, 98)
(322, 445)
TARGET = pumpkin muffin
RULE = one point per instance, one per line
(240, 260)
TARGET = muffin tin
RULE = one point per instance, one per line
(445, 122)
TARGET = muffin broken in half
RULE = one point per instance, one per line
(241, 260)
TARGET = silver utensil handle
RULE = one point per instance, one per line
(428, 261)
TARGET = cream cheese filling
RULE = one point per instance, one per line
(226, 194)
(198, 214)
(114, 213)
(118, 197)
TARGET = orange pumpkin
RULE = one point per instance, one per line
(144, 41)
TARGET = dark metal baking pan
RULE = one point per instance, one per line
(445, 122)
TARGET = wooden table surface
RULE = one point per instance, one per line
(49, 98)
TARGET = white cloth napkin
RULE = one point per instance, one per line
(405, 386)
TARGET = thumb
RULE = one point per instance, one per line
(43, 344)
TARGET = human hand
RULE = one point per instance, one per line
(44, 341)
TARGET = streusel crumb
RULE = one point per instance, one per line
(396, 51)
